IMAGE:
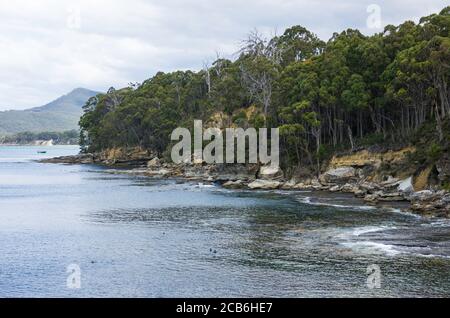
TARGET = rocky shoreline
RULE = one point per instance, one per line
(346, 177)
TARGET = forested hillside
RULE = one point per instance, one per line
(352, 91)
(60, 115)
(70, 137)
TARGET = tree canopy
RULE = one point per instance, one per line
(323, 96)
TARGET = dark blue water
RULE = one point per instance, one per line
(134, 236)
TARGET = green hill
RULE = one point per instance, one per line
(59, 115)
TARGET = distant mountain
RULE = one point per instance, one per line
(59, 115)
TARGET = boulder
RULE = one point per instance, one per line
(335, 188)
(270, 173)
(339, 175)
(406, 186)
(233, 184)
(349, 188)
(315, 183)
(155, 162)
(289, 185)
(264, 184)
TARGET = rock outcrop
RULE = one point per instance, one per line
(338, 175)
(429, 202)
(270, 173)
(365, 177)
(264, 184)
(155, 162)
(77, 159)
(233, 184)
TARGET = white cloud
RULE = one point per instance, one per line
(46, 49)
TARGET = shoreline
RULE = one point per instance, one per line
(391, 192)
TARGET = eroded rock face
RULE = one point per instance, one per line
(264, 184)
(366, 158)
(339, 175)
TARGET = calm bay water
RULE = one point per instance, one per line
(134, 236)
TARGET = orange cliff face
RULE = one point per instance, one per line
(366, 158)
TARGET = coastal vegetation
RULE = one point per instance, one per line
(70, 137)
(353, 92)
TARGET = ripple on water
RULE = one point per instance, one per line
(137, 236)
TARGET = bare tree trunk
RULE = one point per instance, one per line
(207, 77)
(350, 136)
(439, 123)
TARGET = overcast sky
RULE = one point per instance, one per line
(49, 47)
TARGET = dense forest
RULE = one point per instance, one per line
(350, 92)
